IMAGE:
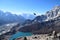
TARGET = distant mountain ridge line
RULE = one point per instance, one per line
(7, 17)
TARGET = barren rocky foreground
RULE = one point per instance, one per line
(53, 36)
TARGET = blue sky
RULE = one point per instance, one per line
(28, 6)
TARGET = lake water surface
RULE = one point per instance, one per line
(20, 34)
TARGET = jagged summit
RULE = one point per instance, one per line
(56, 7)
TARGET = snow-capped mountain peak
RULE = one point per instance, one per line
(52, 14)
(55, 12)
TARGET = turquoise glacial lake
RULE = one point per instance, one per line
(20, 34)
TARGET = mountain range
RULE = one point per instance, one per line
(50, 21)
(7, 17)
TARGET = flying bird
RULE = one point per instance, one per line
(34, 13)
